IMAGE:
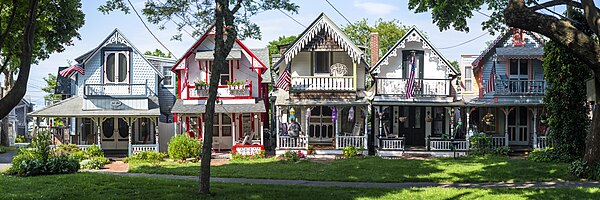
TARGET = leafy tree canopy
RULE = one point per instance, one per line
(273, 45)
(389, 33)
(158, 53)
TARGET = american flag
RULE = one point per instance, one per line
(70, 72)
(284, 80)
(410, 86)
(491, 84)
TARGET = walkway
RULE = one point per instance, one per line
(6, 159)
(551, 184)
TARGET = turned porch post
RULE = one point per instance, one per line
(129, 132)
(534, 111)
(468, 125)
(506, 111)
(156, 131)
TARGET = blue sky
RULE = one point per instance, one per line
(273, 24)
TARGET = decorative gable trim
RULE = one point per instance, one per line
(116, 37)
(477, 63)
(414, 35)
(332, 30)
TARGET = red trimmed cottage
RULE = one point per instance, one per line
(241, 101)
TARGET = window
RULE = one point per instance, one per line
(439, 120)
(222, 125)
(468, 78)
(406, 67)
(168, 80)
(87, 132)
(225, 75)
(116, 66)
(322, 62)
(519, 69)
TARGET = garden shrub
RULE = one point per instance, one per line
(350, 151)
(94, 151)
(501, 151)
(147, 156)
(548, 154)
(292, 156)
(41, 160)
(182, 147)
(20, 139)
(66, 149)
(91, 164)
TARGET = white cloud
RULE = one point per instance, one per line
(375, 8)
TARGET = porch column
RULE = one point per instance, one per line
(366, 133)
(276, 131)
(506, 112)
(234, 133)
(534, 111)
(130, 131)
(379, 116)
(468, 125)
(156, 131)
(261, 131)
(337, 126)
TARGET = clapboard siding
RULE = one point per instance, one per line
(538, 70)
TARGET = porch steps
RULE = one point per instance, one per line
(519, 151)
(417, 154)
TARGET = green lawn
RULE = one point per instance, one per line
(372, 169)
(100, 186)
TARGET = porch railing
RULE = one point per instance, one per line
(520, 87)
(346, 141)
(137, 148)
(95, 90)
(81, 146)
(447, 145)
(391, 143)
(542, 142)
(498, 142)
(422, 87)
(323, 83)
(287, 142)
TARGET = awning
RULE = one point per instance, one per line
(504, 102)
(209, 55)
(72, 107)
(257, 107)
(520, 52)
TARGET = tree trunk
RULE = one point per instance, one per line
(12, 98)
(224, 18)
(592, 147)
(8, 85)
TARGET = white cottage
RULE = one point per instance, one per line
(115, 103)
(415, 114)
(326, 91)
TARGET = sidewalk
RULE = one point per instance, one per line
(6, 159)
(551, 184)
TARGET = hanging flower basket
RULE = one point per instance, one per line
(488, 119)
(428, 119)
(489, 123)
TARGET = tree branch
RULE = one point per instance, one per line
(16, 94)
(9, 24)
(591, 15)
(237, 6)
(519, 16)
(556, 3)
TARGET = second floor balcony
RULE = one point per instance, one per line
(520, 87)
(323, 83)
(422, 87)
(116, 90)
(239, 91)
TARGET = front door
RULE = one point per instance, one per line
(222, 131)
(321, 128)
(413, 127)
(517, 127)
(115, 134)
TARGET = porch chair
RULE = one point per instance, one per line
(248, 138)
(356, 129)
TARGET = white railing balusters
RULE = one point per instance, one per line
(391, 143)
(137, 148)
(345, 141)
(325, 83)
(542, 142)
(287, 142)
(446, 145)
(423, 87)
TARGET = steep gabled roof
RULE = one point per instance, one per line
(113, 38)
(321, 23)
(210, 32)
(503, 36)
(413, 35)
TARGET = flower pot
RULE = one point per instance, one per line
(543, 121)
(309, 152)
(489, 123)
(428, 119)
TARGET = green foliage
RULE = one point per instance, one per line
(66, 149)
(158, 53)
(292, 156)
(50, 88)
(350, 151)
(281, 40)
(259, 155)
(91, 164)
(182, 147)
(454, 14)
(481, 145)
(39, 161)
(389, 33)
(147, 156)
(94, 151)
(565, 102)
(501, 151)
(20, 139)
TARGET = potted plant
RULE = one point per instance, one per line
(544, 119)
(236, 85)
(488, 119)
(310, 149)
(201, 88)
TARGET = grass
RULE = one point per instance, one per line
(100, 186)
(4, 149)
(373, 169)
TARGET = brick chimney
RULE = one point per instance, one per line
(374, 44)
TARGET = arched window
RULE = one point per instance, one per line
(116, 66)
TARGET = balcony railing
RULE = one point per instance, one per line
(91, 90)
(422, 87)
(325, 83)
(520, 87)
(223, 91)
